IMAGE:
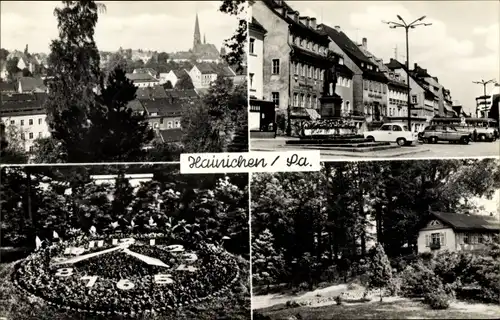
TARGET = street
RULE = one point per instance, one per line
(420, 151)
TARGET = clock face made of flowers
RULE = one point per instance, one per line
(130, 275)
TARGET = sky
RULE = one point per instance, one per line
(461, 46)
(149, 25)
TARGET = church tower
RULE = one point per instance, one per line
(197, 36)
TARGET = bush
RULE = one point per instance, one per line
(394, 286)
(437, 299)
(418, 279)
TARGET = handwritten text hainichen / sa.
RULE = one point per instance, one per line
(250, 162)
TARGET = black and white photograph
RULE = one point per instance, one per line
(377, 240)
(123, 242)
(122, 81)
(377, 79)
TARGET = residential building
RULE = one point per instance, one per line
(456, 232)
(345, 87)
(369, 84)
(151, 93)
(295, 60)
(423, 101)
(24, 115)
(262, 115)
(448, 104)
(173, 76)
(31, 84)
(202, 74)
(150, 71)
(142, 80)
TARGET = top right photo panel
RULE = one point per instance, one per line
(375, 80)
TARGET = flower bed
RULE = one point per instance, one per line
(152, 273)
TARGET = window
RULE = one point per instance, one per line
(251, 45)
(465, 238)
(308, 46)
(39, 120)
(396, 128)
(300, 100)
(341, 61)
(315, 47)
(39, 134)
(309, 101)
(250, 75)
(169, 125)
(22, 122)
(177, 124)
(297, 68)
(30, 122)
(315, 105)
(276, 66)
(155, 125)
(12, 121)
(295, 99)
(348, 106)
(322, 74)
(31, 148)
(365, 85)
(275, 96)
(386, 127)
(161, 120)
(31, 135)
(310, 72)
(384, 89)
(414, 99)
(316, 72)
(304, 67)
(303, 100)
(23, 136)
(302, 43)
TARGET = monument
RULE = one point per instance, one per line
(331, 103)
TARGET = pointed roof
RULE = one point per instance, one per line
(197, 35)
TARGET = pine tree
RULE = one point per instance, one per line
(122, 196)
(266, 262)
(380, 270)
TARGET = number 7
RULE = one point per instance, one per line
(92, 280)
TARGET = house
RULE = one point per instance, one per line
(25, 113)
(262, 113)
(142, 80)
(31, 84)
(202, 75)
(456, 232)
(151, 93)
(3, 70)
(173, 76)
(149, 71)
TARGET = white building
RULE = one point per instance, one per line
(143, 80)
(173, 76)
(202, 75)
(456, 232)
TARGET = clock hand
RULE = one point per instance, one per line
(148, 260)
(88, 256)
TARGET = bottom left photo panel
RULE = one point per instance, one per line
(123, 242)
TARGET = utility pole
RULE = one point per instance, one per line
(407, 27)
(484, 97)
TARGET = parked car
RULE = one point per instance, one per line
(393, 132)
(435, 133)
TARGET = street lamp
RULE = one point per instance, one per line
(484, 84)
(406, 26)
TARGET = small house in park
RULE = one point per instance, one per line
(456, 232)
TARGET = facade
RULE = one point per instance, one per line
(456, 232)
(345, 86)
(262, 115)
(295, 59)
(173, 76)
(202, 75)
(142, 80)
(24, 116)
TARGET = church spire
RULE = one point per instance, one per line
(197, 36)
(204, 39)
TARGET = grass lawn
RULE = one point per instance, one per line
(398, 309)
(16, 306)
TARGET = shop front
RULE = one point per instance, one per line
(262, 119)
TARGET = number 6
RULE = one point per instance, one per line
(124, 284)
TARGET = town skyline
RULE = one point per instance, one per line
(457, 49)
(124, 24)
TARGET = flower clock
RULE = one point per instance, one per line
(126, 275)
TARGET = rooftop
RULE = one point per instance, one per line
(468, 222)
(141, 77)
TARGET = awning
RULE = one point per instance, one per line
(313, 113)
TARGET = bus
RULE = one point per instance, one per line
(486, 129)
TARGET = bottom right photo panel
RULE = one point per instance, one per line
(377, 240)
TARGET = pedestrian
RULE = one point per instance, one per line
(496, 134)
(474, 135)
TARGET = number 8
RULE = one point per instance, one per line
(64, 272)
(125, 284)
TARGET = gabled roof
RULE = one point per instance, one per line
(29, 84)
(7, 87)
(171, 135)
(146, 70)
(154, 92)
(178, 73)
(468, 222)
(205, 68)
(255, 25)
(163, 107)
(22, 104)
(141, 77)
(348, 46)
(135, 105)
(181, 94)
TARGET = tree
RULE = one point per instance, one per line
(27, 73)
(74, 60)
(12, 150)
(122, 196)
(168, 85)
(117, 133)
(380, 270)
(116, 60)
(266, 263)
(184, 82)
(237, 42)
(163, 58)
(12, 68)
(4, 53)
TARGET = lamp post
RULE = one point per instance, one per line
(484, 84)
(407, 27)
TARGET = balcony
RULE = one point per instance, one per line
(435, 246)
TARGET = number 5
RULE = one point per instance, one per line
(163, 279)
(125, 284)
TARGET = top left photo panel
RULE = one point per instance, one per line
(122, 81)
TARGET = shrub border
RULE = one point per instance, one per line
(159, 310)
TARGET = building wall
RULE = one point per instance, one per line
(439, 107)
(30, 132)
(396, 109)
(275, 47)
(449, 239)
(356, 90)
(170, 76)
(472, 242)
(256, 65)
(146, 84)
(164, 123)
(344, 89)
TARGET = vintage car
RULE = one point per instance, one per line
(436, 133)
(393, 132)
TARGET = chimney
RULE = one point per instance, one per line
(283, 11)
(296, 18)
(337, 28)
(303, 20)
(291, 15)
(415, 65)
(365, 44)
(313, 23)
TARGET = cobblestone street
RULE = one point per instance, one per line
(440, 150)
